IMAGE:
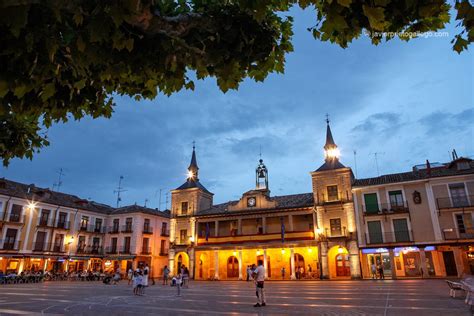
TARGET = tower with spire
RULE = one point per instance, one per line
(335, 216)
(186, 200)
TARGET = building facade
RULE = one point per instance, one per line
(310, 235)
(418, 223)
(44, 230)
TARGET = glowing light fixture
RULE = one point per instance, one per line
(340, 249)
(332, 153)
(191, 239)
(71, 240)
(283, 251)
(234, 253)
(190, 174)
(31, 205)
(310, 250)
(258, 252)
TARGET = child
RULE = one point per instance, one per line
(141, 283)
(136, 282)
(179, 279)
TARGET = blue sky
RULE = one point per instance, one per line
(406, 101)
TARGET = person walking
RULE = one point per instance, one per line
(259, 277)
(186, 277)
(382, 276)
(373, 269)
(166, 273)
(283, 272)
(130, 275)
(146, 272)
(179, 279)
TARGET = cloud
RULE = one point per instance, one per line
(442, 122)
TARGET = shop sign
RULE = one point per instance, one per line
(374, 250)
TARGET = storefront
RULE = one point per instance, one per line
(124, 263)
(10, 263)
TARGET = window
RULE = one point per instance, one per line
(10, 239)
(184, 208)
(401, 230)
(163, 247)
(183, 234)
(84, 222)
(146, 245)
(146, 225)
(81, 244)
(98, 225)
(164, 228)
(44, 217)
(62, 220)
(332, 193)
(371, 203)
(128, 224)
(335, 224)
(15, 214)
(40, 241)
(458, 194)
(58, 242)
(396, 199)
(113, 245)
(95, 245)
(116, 224)
(464, 224)
(126, 245)
(375, 232)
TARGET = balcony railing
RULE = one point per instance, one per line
(127, 228)
(90, 249)
(114, 229)
(111, 250)
(63, 225)
(147, 230)
(146, 250)
(452, 233)
(10, 244)
(92, 229)
(295, 235)
(336, 200)
(16, 218)
(386, 208)
(125, 250)
(163, 251)
(165, 232)
(455, 202)
(389, 237)
(45, 222)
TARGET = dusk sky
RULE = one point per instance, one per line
(406, 101)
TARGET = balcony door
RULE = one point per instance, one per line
(371, 203)
(458, 195)
(400, 227)
(375, 232)
(40, 241)
(10, 239)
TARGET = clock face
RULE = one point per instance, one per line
(251, 202)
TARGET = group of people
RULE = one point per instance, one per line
(181, 279)
(377, 271)
(23, 277)
(138, 279)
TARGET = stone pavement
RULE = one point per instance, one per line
(369, 297)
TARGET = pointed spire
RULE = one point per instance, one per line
(329, 140)
(193, 168)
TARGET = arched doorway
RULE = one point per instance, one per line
(338, 262)
(343, 267)
(232, 267)
(300, 268)
(181, 259)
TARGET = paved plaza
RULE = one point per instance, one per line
(402, 297)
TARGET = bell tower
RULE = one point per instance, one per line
(261, 176)
(336, 227)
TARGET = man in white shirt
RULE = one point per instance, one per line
(259, 277)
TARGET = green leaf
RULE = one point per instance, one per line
(48, 91)
(3, 88)
(376, 17)
(345, 3)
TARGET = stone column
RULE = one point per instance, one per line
(240, 263)
(216, 264)
(239, 227)
(216, 230)
(265, 265)
(292, 261)
(191, 263)
(290, 223)
(354, 260)
(264, 225)
(171, 261)
(424, 268)
(392, 264)
(324, 261)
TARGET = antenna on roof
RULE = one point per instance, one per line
(119, 190)
(355, 162)
(167, 198)
(60, 182)
(455, 154)
(146, 201)
(376, 161)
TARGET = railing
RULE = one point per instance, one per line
(146, 250)
(114, 230)
(451, 233)
(63, 225)
(125, 250)
(16, 218)
(389, 237)
(10, 244)
(165, 232)
(127, 228)
(163, 251)
(92, 229)
(294, 235)
(455, 202)
(58, 248)
(111, 250)
(45, 222)
(339, 200)
(147, 230)
(90, 249)
(386, 208)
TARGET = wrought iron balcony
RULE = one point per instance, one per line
(10, 244)
(92, 229)
(63, 225)
(125, 250)
(90, 249)
(455, 202)
(16, 218)
(389, 237)
(165, 232)
(111, 250)
(386, 208)
(453, 233)
(114, 229)
(146, 250)
(127, 228)
(163, 251)
(147, 230)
